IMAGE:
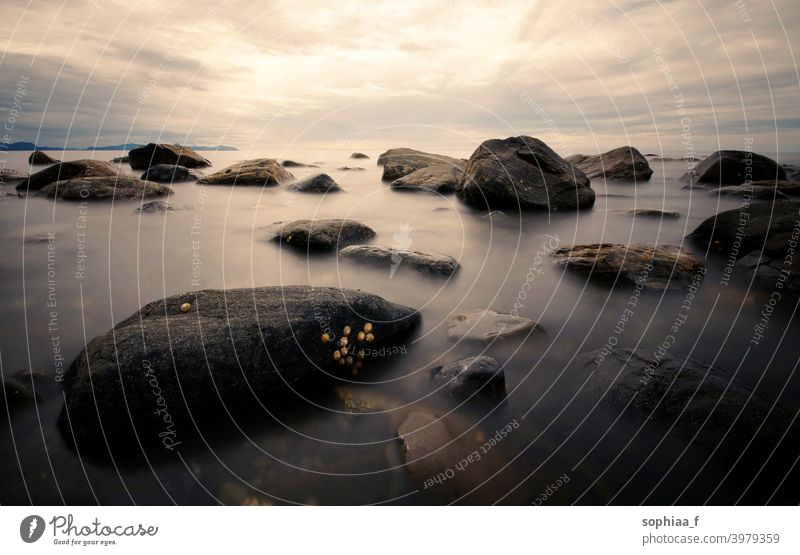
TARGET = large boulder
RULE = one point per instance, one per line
(68, 170)
(734, 167)
(656, 267)
(38, 157)
(169, 173)
(205, 352)
(321, 183)
(522, 172)
(478, 378)
(439, 178)
(399, 162)
(488, 325)
(319, 235)
(264, 172)
(120, 187)
(624, 163)
(151, 154)
(429, 263)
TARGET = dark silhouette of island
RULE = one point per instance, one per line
(21, 145)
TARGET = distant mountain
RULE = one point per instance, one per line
(30, 146)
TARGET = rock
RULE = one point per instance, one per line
(792, 172)
(472, 378)
(38, 157)
(7, 174)
(440, 178)
(653, 212)
(168, 173)
(524, 172)
(321, 183)
(152, 154)
(428, 263)
(624, 163)
(293, 164)
(120, 160)
(319, 234)
(260, 171)
(656, 267)
(156, 206)
(359, 155)
(233, 349)
(766, 193)
(15, 394)
(120, 187)
(786, 187)
(734, 167)
(349, 169)
(68, 170)
(399, 162)
(488, 325)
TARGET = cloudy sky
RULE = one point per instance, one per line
(584, 75)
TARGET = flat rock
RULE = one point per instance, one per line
(488, 325)
(359, 156)
(294, 164)
(399, 162)
(38, 157)
(522, 172)
(169, 173)
(152, 154)
(657, 267)
(321, 183)
(319, 235)
(624, 163)
(471, 378)
(439, 178)
(229, 350)
(120, 160)
(350, 169)
(264, 172)
(156, 206)
(68, 170)
(429, 263)
(653, 213)
(734, 167)
(119, 187)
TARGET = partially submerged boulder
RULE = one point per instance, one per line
(264, 172)
(205, 352)
(319, 235)
(151, 154)
(439, 178)
(478, 378)
(120, 160)
(655, 267)
(169, 173)
(321, 183)
(38, 157)
(156, 206)
(359, 156)
(624, 163)
(294, 164)
(522, 172)
(653, 213)
(67, 170)
(429, 263)
(488, 325)
(734, 167)
(120, 187)
(399, 162)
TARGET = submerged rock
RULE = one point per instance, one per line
(429, 263)
(522, 172)
(350, 169)
(156, 206)
(120, 160)
(152, 154)
(655, 267)
(488, 325)
(764, 193)
(359, 155)
(265, 172)
(653, 213)
(7, 174)
(320, 235)
(440, 178)
(120, 187)
(38, 157)
(68, 170)
(16, 392)
(472, 378)
(399, 162)
(168, 173)
(321, 183)
(624, 163)
(734, 167)
(293, 164)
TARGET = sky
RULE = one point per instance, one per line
(679, 77)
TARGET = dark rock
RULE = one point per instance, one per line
(293, 164)
(120, 187)
(349, 169)
(424, 262)
(399, 162)
(68, 170)
(15, 394)
(151, 154)
(321, 183)
(522, 172)
(786, 187)
(167, 173)
(653, 213)
(120, 160)
(488, 325)
(359, 155)
(264, 172)
(477, 378)
(156, 206)
(320, 235)
(734, 167)
(792, 172)
(229, 350)
(655, 267)
(7, 174)
(624, 163)
(439, 178)
(38, 157)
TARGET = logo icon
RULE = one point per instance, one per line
(31, 528)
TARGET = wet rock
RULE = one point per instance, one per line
(68, 170)
(359, 156)
(786, 187)
(156, 206)
(792, 172)
(7, 174)
(120, 187)
(230, 350)
(38, 157)
(15, 393)
(319, 235)
(522, 172)
(120, 160)
(264, 172)
(765, 193)
(472, 378)
(293, 164)
(152, 154)
(399, 162)
(349, 169)
(653, 213)
(734, 167)
(429, 263)
(656, 267)
(624, 163)
(321, 183)
(488, 325)
(440, 178)
(168, 173)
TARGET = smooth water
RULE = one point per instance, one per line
(317, 452)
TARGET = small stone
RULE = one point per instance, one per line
(368, 327)
(370, 338)
(360, 353)
(349, 360)
(361, 335)
(343, 351)
(337, 355)
(346, 330)
(185, 307)
(326, 338)
(343, 342)
(341, 362)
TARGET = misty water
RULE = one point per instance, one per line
(312, 450)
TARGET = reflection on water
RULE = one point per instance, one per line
(70, 272)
